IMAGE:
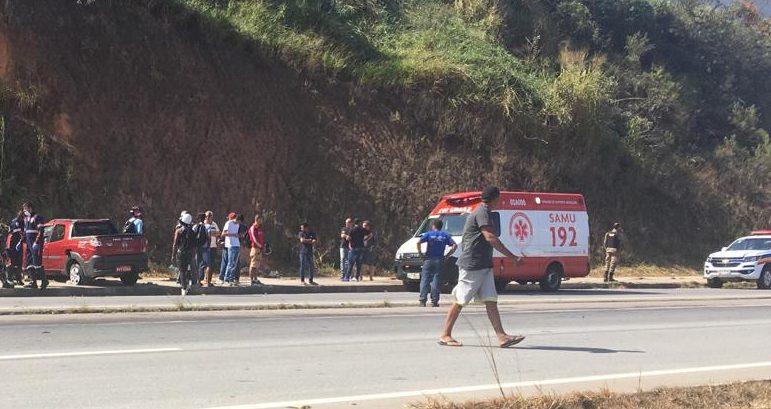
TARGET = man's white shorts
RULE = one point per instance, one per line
(476, 285)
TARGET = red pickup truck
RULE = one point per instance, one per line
(82, 249)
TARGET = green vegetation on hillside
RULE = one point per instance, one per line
(657, 110)
(668, 102)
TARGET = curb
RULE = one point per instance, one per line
(184, 306)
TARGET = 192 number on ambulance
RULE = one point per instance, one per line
(561, 236)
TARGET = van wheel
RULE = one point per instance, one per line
(412, 286)
(764, 282)
(129, 279)
(76, 273)
(552, 280)
(718, 283)
(501, 284)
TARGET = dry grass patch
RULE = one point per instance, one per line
(648, 270)
(732, 396)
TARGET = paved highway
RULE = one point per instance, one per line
(374, 358)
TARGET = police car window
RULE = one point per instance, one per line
(57, 233)
(751, 244)
(85, 229)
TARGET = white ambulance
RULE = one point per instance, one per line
(550, 229)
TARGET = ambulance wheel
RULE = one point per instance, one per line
(412, 286)
(552, 280)
(76, 273)
(129, 279)
(714, 283)
(764, 282)
(501, 284)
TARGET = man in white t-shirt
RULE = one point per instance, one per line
(232, 249)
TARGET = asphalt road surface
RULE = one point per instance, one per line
(374, 358)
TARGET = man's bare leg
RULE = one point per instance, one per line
(449, 323)
(495, 318)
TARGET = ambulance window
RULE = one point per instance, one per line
(496, 223)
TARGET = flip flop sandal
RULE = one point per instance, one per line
(450, 343)
(513, 341)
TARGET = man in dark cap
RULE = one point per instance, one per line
(475, 270)
(612, 244)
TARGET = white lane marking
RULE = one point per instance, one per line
(478, 388)
(86, 353)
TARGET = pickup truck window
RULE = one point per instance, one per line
(56, 234)
(85, 229)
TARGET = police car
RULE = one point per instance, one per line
(746, 259)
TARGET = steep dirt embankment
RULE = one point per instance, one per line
(134, 107)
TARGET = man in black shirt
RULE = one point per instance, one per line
(344, 232)
(356, 239)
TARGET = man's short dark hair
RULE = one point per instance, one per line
(357, 222)
(240, 217)
(27, 204)
(438, 224)
(305, 225)
(201, 217)
(490, 193)
(616, 225)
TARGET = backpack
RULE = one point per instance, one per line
(187, 239)
(129, 227)
(201, 234)
(243, 236)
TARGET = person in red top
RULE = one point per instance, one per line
(257, 238)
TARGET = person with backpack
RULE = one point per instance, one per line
(135, 224)
(257, 241)
(183, 248)
(202, 248)
(612, 245)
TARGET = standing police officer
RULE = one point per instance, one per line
(33, 239)
(13, 248)
(612, 245)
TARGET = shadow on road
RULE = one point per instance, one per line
(580, 349)
(539, 293)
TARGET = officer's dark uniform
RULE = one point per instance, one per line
(33, 239)
(14, 249)
(4, 271)
(612, 244)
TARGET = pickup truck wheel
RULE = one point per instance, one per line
(552, 280)
(76, 273)
(764, 282)
(715, 283)
(501, 284)
(129, 279)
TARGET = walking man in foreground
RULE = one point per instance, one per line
(612, 244)
(438, 241)
(475, 275)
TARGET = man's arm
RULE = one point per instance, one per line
(494, 241)
(174, 243)
(453, 247)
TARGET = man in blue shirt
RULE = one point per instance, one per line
(438, 241)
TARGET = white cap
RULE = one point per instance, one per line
(186, 218)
